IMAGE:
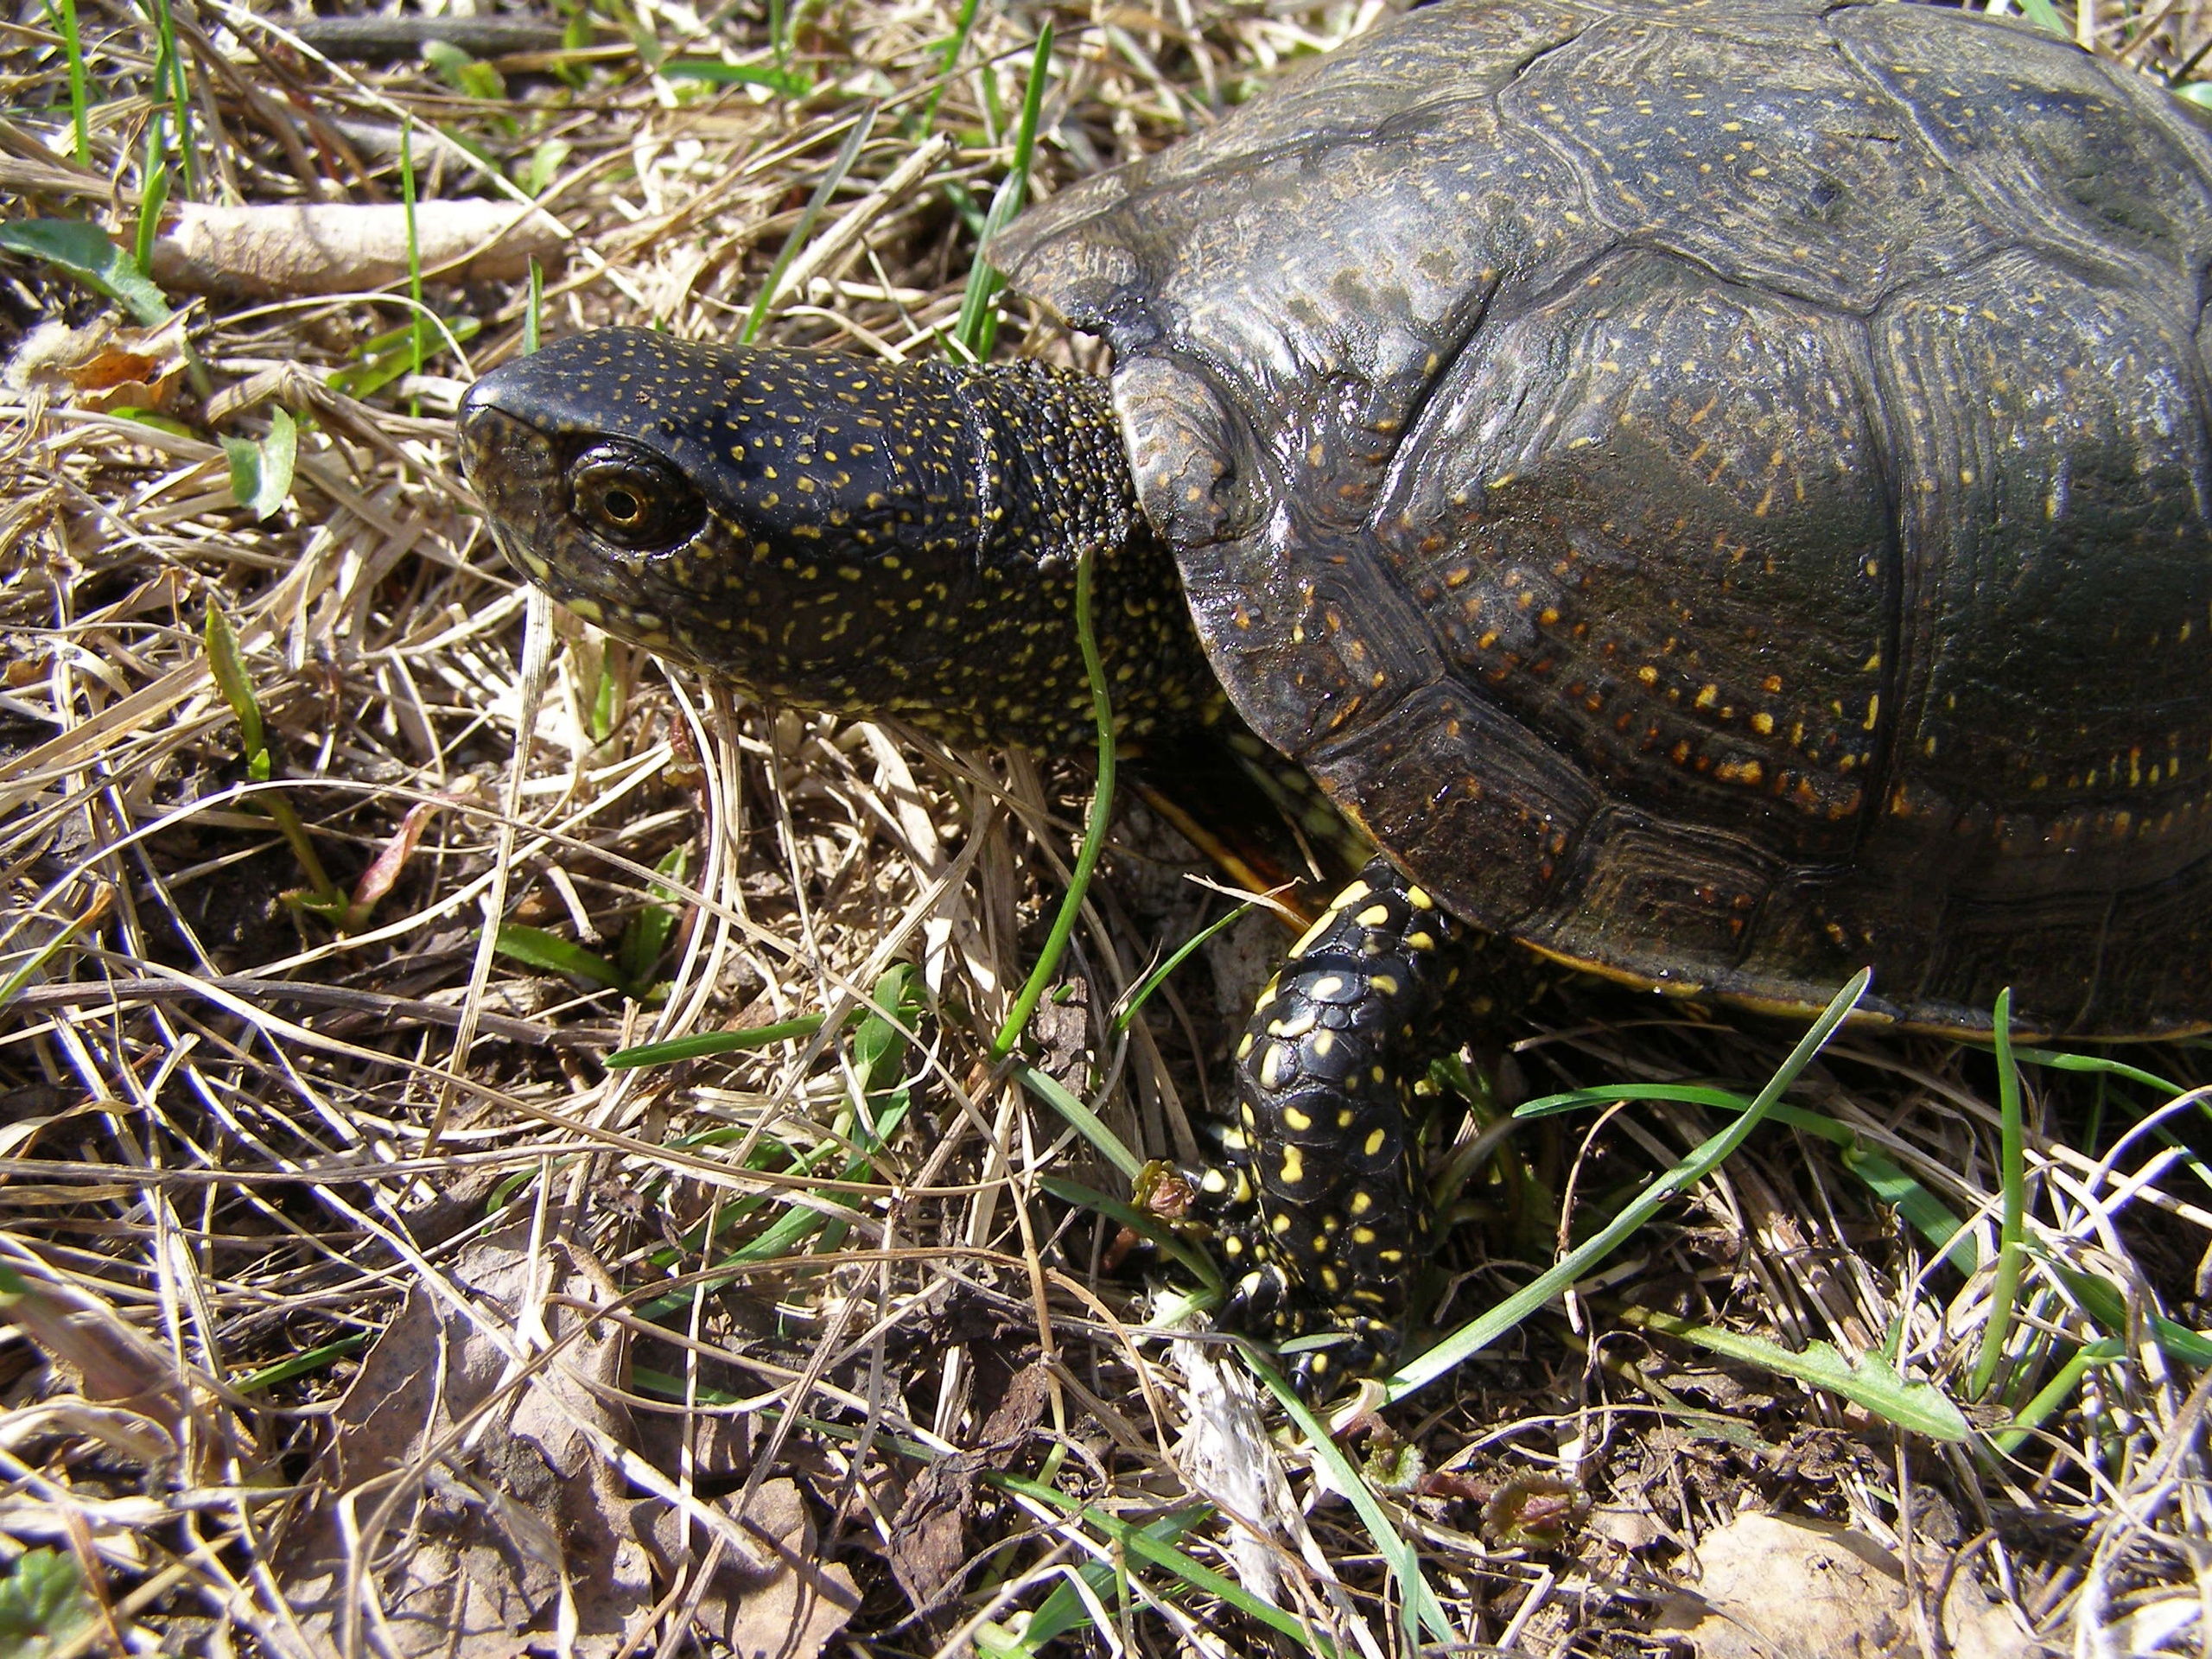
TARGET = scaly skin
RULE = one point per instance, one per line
(901, 540)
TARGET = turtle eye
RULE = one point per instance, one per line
(633, 498)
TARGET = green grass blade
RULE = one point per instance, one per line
(647, 935)
(1094, 829)
(86, 253)
(978, 324)
(237, 687)
(2100, 1065)
(1479, 1332)
(306, 1362)
(794, 84)
(1418, 1606)
(704, 1043)
(1153, 981)
(840, 165)
(955, 44)
(1923, 1211)
(1869, 1381)
(1927, 1214)
(1200, 1265)
(151, 200)
(262, 470)
(2102, 1301)
(1133, 1542)
(1063, 1611)
(2055, 1393)
(2012, 1235)
(535, 947)
(72, 47)
(1085, 1122)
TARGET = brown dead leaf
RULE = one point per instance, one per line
(1060, 1029)
(929, 1540)
(792, 1612)
(1774, 1587)
(266, 251)
(115, 1365)
(104, 365)
(485, 1503)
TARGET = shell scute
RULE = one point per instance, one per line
(1720, 490)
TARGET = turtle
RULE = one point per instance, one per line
(1715, 490)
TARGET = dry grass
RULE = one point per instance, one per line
(323, 1248)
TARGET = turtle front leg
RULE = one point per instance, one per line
(1320, 1203)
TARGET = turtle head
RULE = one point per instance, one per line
(876, 539)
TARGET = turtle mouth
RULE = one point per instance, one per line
(521, 474)
(516, 472)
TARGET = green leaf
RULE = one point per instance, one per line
(785, 83)
(2102, 1301)
(223, 662)
(544, 166)
(704, 1043)
(647, 936)
(468, 76)
(1923, 1211)
(1143, 1544)
(383, 359)
(1871, 1381)
(1085, 1122)
(978, 322)
(261, 472)
(44, 1606)
(880, 1047)
(1485, 1328)
(86, 253)
(535, 947)
(2045, 15)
